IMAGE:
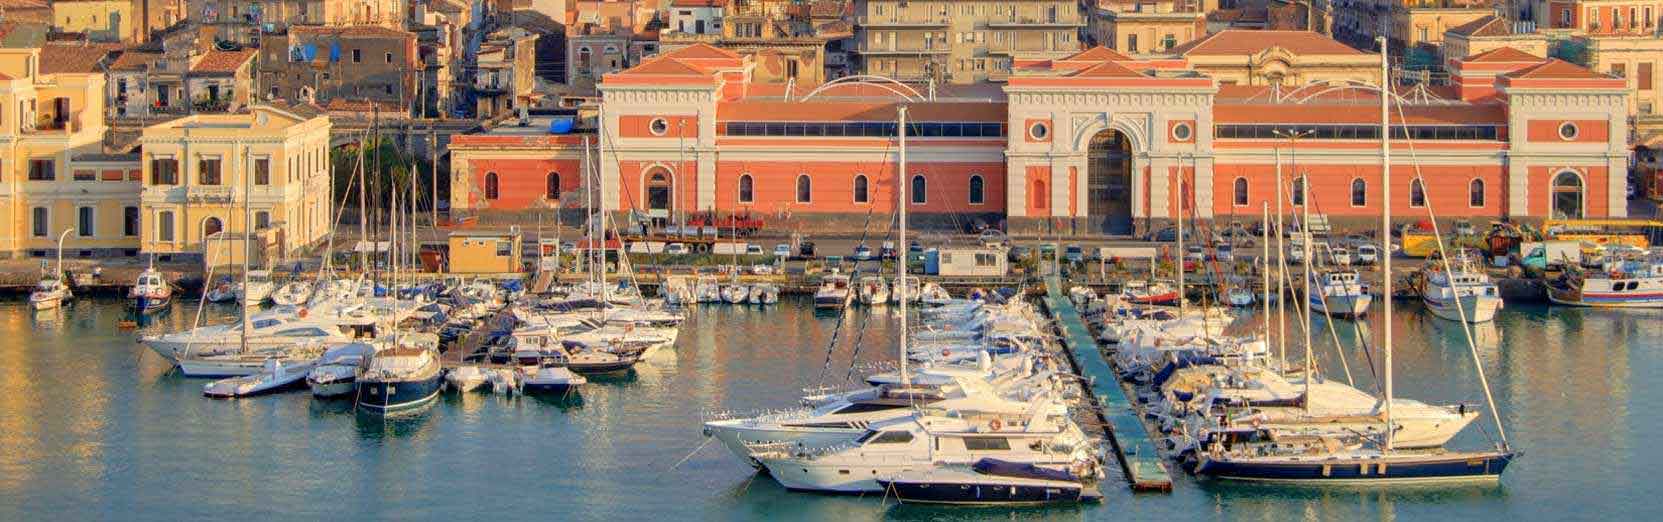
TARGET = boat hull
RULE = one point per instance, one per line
(1472, 309)
(331, 389)
(1568, 297)
(393, 396)
(979, 494)
(1373, 470)
(737, 438)
(546, 388)
(1342, 306)
(145, 304)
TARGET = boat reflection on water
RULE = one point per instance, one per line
(1057, 512)
(398, 425)
(571, 400)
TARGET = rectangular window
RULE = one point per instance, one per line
(41, 222)
(389, 57)
(42, 170)
(207, 171)
(262, 220)
(357, 55)
(1642, 76)
(503, 247)
(164, 171)
(86, 175)
(130, 221)
(262, 171)
(164, 226)
(84, 222)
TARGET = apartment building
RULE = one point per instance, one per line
(361, 63)
(51, 116)
(964, 41)
(1141, 26)
(199, 171)
(243, 20)
(786, 39)
(1406, 24)
(507, 73)
(99, 20)
(1276, 58)
(1623, 38)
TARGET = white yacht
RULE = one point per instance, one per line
(292, 293)
(274, 375)
(834, 292)
(273, 329)
(256, 290)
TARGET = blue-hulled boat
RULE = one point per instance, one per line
(151, 292)
(1365, 466)
(399, 379)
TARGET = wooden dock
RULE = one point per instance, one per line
(1129, 437)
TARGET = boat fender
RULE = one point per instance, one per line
(994, 425)
(301, 312)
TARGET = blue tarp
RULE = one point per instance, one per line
(561, 126)
(335, 52)
(1002, 468)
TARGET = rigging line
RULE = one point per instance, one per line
(853, 277)
(860, 335)
(1466, 328)
(1333, 332)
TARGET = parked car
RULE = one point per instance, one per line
(862, 252)
(887, 251)
(1195, 253)
(754, 250)
(1296, 253)
(1465, 229)
(568, 248)
(675, 249)
(782, 251)
(1224, 253)
(805, 248)
(993, 238)
(1368, 254)
(1073, 254)
(1164, 235)
(915, 247)
(1339, 255)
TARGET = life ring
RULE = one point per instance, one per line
(994, 425)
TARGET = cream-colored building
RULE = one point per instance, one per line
(51, 112)
(1288, 58)
(1140, 26)
(101, 20)
(965, 41)
(196, 169)
(1636, 59)
(1490, 33)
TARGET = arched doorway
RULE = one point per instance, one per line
(1567, 196)
(1109, 182)
(660, 195)
(211, 226)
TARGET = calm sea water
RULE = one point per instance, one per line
(94, 426)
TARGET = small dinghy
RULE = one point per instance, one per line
(988, 482)
(276, 375)
(466, 378)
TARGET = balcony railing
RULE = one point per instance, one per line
(869, 48)
(890, 21)
(1036, 22)
(208, 194)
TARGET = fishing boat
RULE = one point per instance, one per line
(989, 482)
(274, 376)
(1339, 293)
(256, 288)
(906, 287)
(1623, 284)
(834, 292)
(398, 379)
(1479, 300)
(151, 292)
(735, 293)
(52, 290)
(292, 293)
(872, 290)
(337, 370)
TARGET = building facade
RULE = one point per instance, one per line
(360, 63)
(1134, 26)
(961, 41)
(1099, 141)
(200, 171)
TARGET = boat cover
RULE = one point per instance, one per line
(1004, 468)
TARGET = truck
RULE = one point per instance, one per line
(1544, 254)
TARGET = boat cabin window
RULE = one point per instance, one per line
(987, 444)
(266, 323)
(304, 332)
(885, 437)
(863, 407)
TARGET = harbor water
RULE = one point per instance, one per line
(95, 427)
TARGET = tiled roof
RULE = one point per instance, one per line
(1097, 54)
(1556, 69)
(222, 62)
(23, 4)
(71, 58)
(1503, 55)
(134, 60)
(703, 51)
(699, 3)
(1487, 26)
(21, 35)
(1108, 70)
(1240, 42)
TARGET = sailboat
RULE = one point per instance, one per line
(52, 290)
(1261, 455)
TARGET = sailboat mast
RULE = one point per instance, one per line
(248, 238)
(901, 205)
(1265, 260)
(1281, 273)
(1180, 237)
(363, 209)
(1310, 252)
(1386, 230)
(600, 199)
(588, 208)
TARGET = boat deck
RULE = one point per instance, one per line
(1129, 437)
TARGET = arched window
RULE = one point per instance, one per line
(1567, 195)
(1037, 197)
(211, 226)
(747, 189)
(1359, 192)
(660, 191)
(861, 195)
(1417, 193)
(1475, 193)
(918, 188)
(552, 192)
(490, 185)
(1299, 190)
(1241, 192)
(583, 58)
(805, 189)
(977, 191)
